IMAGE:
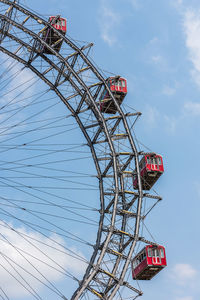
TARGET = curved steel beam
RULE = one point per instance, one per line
(92, 270)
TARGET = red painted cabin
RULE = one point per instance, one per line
(148, 262)
(118, 87)
(151, 168)
(50, 37)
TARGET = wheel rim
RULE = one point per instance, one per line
(115, 237)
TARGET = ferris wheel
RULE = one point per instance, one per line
(76, 187)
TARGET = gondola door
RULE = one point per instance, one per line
(156, 259)
(154, 165)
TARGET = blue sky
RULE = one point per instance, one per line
(155, 44)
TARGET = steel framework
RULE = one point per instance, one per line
(109, 138)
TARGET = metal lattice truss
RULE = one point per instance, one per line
(78, 83)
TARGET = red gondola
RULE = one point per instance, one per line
(151, 168)
(148, 262)
(118, 87)
(50, 37)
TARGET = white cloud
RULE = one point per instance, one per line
(169, 91)
(151, 116)
(108, 22)
(183, 273)
(157, 59)
(22, 81)
(154, 41)
(135, 3)
(45, 252)
(171, 123)
(185, 298)
(17, 93)
(192, 29)
(179, 2)
(19, 85)
(192, 108)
